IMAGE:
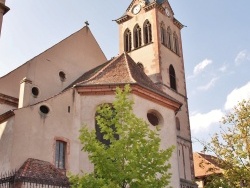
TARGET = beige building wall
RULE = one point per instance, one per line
(4, 108)
(141, 106)
(73, 56)
(148, 54)
(157, 59)
(6, 142)
(24, 136)
(34, 136)
(167, 58)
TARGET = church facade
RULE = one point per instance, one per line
(45, 101)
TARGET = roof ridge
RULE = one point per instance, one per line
(100, 71)
(25, 167)
(127, 65)
(44, 51)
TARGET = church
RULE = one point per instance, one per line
(45, 101)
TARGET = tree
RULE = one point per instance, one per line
(232, 147)
(132, 160)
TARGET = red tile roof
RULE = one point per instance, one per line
(41, 171)
(205, 165)
(120, 70)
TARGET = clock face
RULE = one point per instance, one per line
(167, 12)
(136, 9)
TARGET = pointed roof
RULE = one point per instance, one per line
(147, 2)
(120, 70)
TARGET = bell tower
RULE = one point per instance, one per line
(3, 9)
(151, 35)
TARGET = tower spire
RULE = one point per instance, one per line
(3, 10)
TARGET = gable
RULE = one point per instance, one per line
(73, 56)
(144, 2)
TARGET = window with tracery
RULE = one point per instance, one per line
(172, 77)
(176, 44)
(163, 33)
(147, 32)
(127, 40)
(137, 36)
(169, 38)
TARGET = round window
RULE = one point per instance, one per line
(62, 76)
(153, 119)
(44, 109)
(35, 91)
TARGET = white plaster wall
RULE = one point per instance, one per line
(167, 131)
(34, 134)
(6, 142)
(141, 107)
(5, 108)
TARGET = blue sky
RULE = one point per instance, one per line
(216, 44)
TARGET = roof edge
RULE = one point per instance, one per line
(6, 116)
(136, 89)
(6, 99)
(5, 8)
(30, 60)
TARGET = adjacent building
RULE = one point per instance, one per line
(205, 165)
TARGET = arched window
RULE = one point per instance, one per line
(137, 36)
(127, 40)
(176, 44)
(163, 34)
(178, 125)
(99, 133)
(147, 32)
(172, 77)
(169, 38)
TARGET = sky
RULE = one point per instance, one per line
(216, 46)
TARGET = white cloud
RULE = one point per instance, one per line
(223, 68)
(237, 95)
(209, 85)
(201, 66)
(241, 57)
(201, 122)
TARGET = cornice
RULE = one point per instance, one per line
(135, 89)
(123, 19)
(11, 101)
(6, 116)
(178, 24)
(146, 8)
(151, 6)
(4, 7)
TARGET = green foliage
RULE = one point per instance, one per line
(217, 181)
(135, 159)
(232, 146)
